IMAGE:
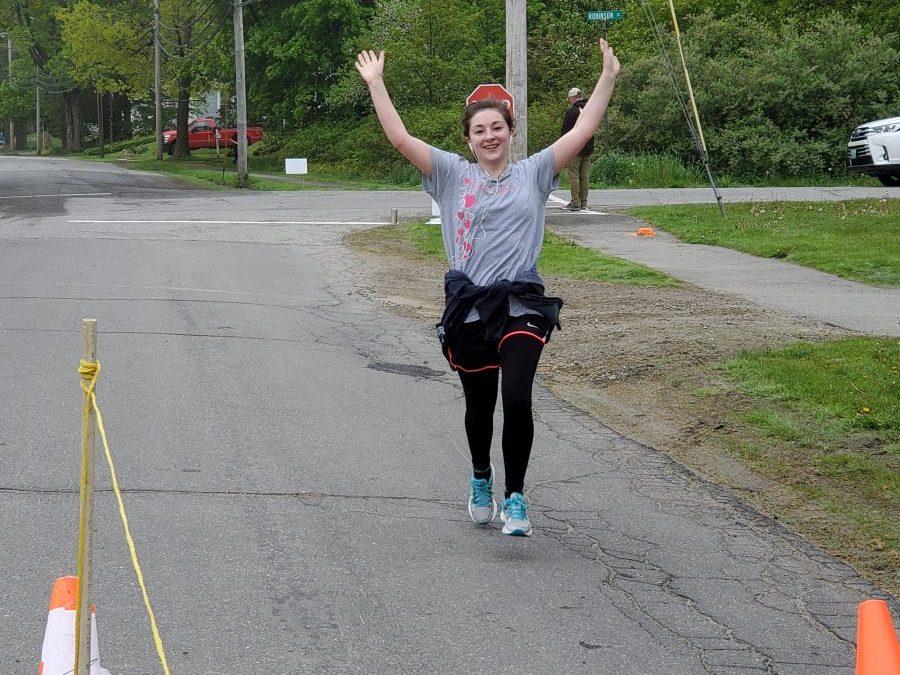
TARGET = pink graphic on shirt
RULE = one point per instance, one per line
(476, 198)
(465, 233)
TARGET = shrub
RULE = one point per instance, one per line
(635, 170)
(786, 110)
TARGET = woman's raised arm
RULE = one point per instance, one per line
(371, 68)
(571, 143)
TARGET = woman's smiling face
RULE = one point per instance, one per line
(489, 138)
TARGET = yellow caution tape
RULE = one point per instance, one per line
(89, 372)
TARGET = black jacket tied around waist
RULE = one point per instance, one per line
(491, 303)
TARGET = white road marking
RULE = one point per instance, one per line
(229, 222)
(563, 202)
(70, 194)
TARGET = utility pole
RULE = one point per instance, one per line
(157, 67)
(37, 114)
(100, 131)
(517, 74)
(12, 126)
(240, 93)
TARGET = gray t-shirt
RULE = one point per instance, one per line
(493, 228)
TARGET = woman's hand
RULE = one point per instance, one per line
(610, 62)
(370, 65)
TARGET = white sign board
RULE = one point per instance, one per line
(295, 165)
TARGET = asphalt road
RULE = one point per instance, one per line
(295, 468)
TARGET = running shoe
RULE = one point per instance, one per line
(514, 515)
(482, 505)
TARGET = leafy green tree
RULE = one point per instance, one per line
(196, 41)
(562, 52)
(436, 53)
(16, 97)
(37, 34)
(104, 49)
(295, 51)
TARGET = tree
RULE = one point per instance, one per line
(295, 50)
(38, 34)
(195, 40)
(105, 50)
(438, 52)
(16, 98)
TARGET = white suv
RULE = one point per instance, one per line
(875, 150)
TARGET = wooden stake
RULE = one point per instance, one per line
(89, 354)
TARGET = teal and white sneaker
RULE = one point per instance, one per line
(482, 505)
(514, 515)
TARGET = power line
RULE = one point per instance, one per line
(191, 22)
(669, 68)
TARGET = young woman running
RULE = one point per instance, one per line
(497, 317)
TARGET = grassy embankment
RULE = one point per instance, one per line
(825, 418)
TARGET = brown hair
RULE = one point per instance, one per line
(486, 104)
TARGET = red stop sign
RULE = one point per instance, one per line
(498, 91)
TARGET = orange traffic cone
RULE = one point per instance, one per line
(877, 647)
(58, 652)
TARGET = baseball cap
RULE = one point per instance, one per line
(574, 91)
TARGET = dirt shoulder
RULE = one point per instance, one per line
(642, 361)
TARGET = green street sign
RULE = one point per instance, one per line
(606, 15)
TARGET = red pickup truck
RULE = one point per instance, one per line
(202, 133)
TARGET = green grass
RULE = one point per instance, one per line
(629, 170)
(854, 381)
(559, 256)
(826, 418)
(211, 173)
(858, 240)
(563, 257)
(204, 168)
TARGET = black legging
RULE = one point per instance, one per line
(519, 356)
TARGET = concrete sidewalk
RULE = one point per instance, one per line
(615, 198)
(773, 283)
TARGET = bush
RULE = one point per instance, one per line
(633, 170)
(783, 110)
(362, 148)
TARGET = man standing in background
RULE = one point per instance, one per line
(580, 166)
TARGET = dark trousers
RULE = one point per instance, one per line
(519, 356)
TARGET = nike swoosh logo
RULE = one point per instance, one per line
(531, 325)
